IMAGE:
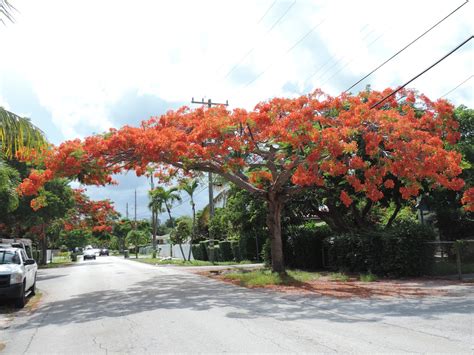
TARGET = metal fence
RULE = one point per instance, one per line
(453, 258)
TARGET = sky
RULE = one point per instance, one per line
(80, 67)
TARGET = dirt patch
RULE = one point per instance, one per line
(409, 288)
(8, 311)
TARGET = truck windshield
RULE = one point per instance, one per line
(9, 257)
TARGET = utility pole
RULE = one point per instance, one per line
(135, 218)
(126, 210)
(209, 104)
(154, 217)
(135, 227)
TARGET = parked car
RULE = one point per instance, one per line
(17, 274)
(104, 251)
(89, 254)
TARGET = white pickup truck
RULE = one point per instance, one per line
(17, 274)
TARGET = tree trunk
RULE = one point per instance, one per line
(182, 252)
(44, 253)
(275, 205)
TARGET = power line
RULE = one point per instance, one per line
(408, 45)
(245, 56)
(293, 46)
(350, 61)
(330, 59)
(460, 84)
(266, 12)
(424, 71)
(282, 16)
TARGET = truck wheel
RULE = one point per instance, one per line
(33, 288)
(21, 301)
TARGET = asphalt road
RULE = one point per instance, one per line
(113, 305)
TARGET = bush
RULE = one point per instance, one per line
(216, 250)
(236, 250)
(204, 244)
(302, 246)
(251, 245)
(197, 252)
(225, 251)
(399, 251)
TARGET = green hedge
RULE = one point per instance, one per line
(399, 251)
(197, 252)
(302, 246)
(225, 250)
(251, 246)
(216, 250)
(236, 250)
(204, 245)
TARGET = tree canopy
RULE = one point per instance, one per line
(339, 146)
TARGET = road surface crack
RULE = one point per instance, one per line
(94, 340)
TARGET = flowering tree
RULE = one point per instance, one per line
(96, 216)
(338, 146)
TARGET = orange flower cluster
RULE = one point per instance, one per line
(468, 199)
(283, 143)
(96, 216)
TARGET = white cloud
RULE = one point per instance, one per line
(81, 57)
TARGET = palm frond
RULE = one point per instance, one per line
(17, 132)
(220, 197)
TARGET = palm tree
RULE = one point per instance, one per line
(17, 132)
(156, 207)
(190, 186)
(168, 198)
(222, 186)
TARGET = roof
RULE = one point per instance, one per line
(8, 247)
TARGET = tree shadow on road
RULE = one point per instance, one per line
(197, 293)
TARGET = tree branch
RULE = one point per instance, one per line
(394, 214)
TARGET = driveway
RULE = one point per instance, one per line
(113, 305)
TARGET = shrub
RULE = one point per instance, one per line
(399, 251)
(251, 245)
(339, 276)
(302, 246)
(204, 244)
(236, 250)
(197, 252)
(216, 250)
(225, 250)
(368, 277)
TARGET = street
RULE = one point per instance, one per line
(113, 305)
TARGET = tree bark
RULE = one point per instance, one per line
(44, 247)
(398, 207)
(275, 205)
